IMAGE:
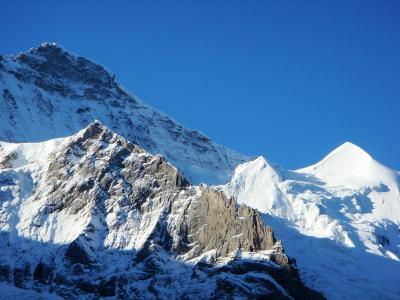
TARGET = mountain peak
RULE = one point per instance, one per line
(260, 179)
(49, 45)
(46, 49)
(94, 128)
(101, 133)
(347, 156)
(351, 166)
(257, 167)
(348, 151)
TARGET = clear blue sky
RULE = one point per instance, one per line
(283, 79)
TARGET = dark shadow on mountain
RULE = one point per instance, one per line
(153, 273)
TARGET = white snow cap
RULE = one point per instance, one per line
(45, 44)
(349, 165)
(254, 183)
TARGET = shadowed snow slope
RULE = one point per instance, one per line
(347, 198)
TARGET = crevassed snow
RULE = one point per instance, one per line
(344, 211)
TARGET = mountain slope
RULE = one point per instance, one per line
(99, 217)
(47, 93)
(345, 210)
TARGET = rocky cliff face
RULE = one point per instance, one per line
(94, 215)
(214, 222)
(48, 93)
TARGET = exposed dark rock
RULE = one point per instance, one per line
(10, 100)
(216, 222)
(18, 277)
(6, 160)
(59, 279)
(27, 272)
(82, 110)
(288, 278)
(86, 286)
(4, 273)
(77, 269)
(76, 254)
(279, 255)
(51, 61)
(107, 287)
(383, 240)
(43, 273)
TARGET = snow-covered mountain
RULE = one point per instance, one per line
(93, 215)
(99, 212)
(47, 93)
(345, 210)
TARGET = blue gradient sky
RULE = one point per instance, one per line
(285, 80)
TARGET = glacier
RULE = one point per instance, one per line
(340, 218)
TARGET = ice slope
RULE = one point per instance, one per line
(48, 92)
(344, 210)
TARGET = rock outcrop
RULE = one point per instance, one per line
(211, 221)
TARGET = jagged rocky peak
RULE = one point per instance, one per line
(102, 162)
(56, 70)
(51, 53)
(102, 217)
(46, 49)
